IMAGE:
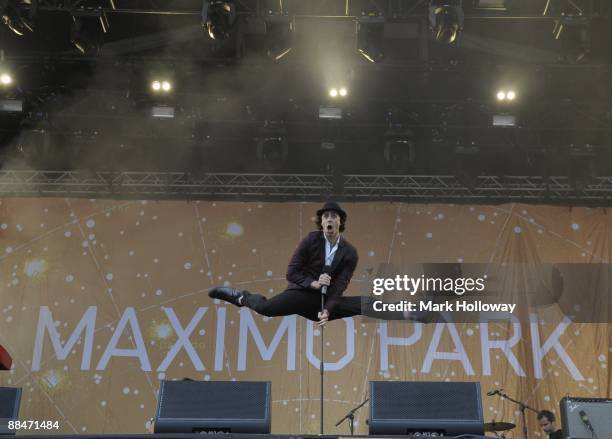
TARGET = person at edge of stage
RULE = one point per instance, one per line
(547, 419)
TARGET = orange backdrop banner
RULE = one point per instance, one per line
(101, 299)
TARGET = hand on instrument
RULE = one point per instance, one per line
(323, 318)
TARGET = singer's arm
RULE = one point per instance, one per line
(295, 270)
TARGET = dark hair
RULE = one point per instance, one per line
(547, 414)
(319, 224)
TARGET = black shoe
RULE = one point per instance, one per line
(231, 295)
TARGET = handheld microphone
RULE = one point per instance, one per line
(585, 420)
(326, 270)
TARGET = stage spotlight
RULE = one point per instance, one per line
(506, 95)
(371, 36)
(446, 19)
(279, 36)
(88, 29)
(15, 19)
(218, 17)
(574, 32)
(338, 92)
(161, 86)
(6, 79)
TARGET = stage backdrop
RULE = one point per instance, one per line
(101, 299)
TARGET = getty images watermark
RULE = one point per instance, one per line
(466, 292)
(403, 285)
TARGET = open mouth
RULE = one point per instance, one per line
(329, 227)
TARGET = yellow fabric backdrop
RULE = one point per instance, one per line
(145, 263)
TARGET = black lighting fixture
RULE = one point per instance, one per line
(574, 33)
(279, 35)
(16, 18)
(493, 5)
(89, 25)
(13, 106)
(504, 120)
(399, 147)
(272, 144)
(371, 36)
(218, 18)
(446, 19)
(504, 115)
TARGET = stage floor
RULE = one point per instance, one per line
(223, 436)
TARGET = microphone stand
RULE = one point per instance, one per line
(350, 416)
(326, 270)
(322, 362)
(522, 407)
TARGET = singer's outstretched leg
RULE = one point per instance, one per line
(291, 301)
(306, 303)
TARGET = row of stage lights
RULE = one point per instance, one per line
(165, 86)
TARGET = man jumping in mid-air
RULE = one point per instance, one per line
(305, 273)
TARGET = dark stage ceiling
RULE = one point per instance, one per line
(257, 102)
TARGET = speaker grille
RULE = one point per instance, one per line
(213, 399)
(425, 400)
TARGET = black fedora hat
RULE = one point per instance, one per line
(332, 205)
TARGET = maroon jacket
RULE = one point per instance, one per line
(308, 261)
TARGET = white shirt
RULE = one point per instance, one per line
(330, 251)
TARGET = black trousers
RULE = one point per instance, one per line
(303, 302)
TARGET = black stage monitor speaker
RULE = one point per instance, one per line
(213, 407)
(578, 413)
(425, 408)
(9, 408)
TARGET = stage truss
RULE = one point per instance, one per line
(281, 187)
